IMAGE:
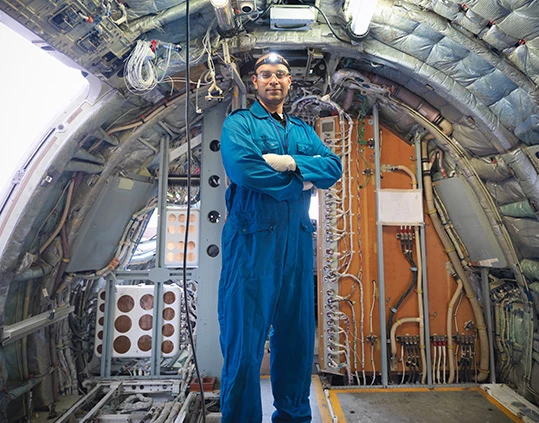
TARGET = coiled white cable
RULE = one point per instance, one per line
(140, 72)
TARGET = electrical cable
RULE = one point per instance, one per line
(188, 140)
(402, 363)
(371, 331)
(408, 255)
(327, 21)
(434, 362)
(262, 13)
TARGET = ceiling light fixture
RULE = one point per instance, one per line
(359, 14)
(226, 23)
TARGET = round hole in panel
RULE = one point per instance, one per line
(145, 322)
(181, 229)
(100, 349)
(191, 245)
(172, 217)
(102, 307)
(214, 216)
(170, 245)
(168, 330)
(100, 334)
(214, 181)
(192, 229)
(101, 321)
(121, 344)
(215, 145)
(123, 323)
(125, 303)
(191, 257)
(146, 302)
(145, 343)
(180, 245)
(168, 313)
(179, 257)
(193, 218)
(213, 250)
(169, 297)
(170, 257)
(171, 229)
(167, 347)
(102, 295)
(182, 218)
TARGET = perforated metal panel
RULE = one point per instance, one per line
(133, 317)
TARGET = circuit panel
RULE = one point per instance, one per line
(348, 277)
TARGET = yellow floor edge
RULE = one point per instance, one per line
(339, 414)
(337, 409)
(321, 400)
(500, 406)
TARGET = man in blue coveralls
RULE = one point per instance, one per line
(273, 160)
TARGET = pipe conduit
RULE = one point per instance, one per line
(484, 198)
(34, 272)
(450, 308)
(62, 219)
(353, 79)
(421, 317)
(455, 261)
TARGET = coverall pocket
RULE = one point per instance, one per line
(250, 226)
(304, 150)
(271, 146)
(307, 225)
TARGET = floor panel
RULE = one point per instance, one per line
(467, 406)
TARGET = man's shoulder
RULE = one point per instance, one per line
(239, 115)
(237, 111)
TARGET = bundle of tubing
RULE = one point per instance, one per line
(454, 298)
(421, 318)
(395, 307)
(455, 261)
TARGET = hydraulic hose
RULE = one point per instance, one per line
(393, 310)
(62, 219)
(455, 261)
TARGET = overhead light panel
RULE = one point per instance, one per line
(359, 15)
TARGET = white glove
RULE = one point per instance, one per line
(307, 185)
(281, 163)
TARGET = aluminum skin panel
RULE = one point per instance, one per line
(103, 227)
(470, 222)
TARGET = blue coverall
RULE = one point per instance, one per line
(267, 270)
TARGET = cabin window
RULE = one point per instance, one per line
(36, 89)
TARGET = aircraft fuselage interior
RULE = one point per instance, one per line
(426, 272)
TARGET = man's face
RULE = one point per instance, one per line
(272, 90)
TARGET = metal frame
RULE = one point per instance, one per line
(380, 242)
(211, 199)
(16, 331)
(113, 388)
(158, 275)
(488, 317)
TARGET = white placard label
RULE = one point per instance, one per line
(400, 207)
